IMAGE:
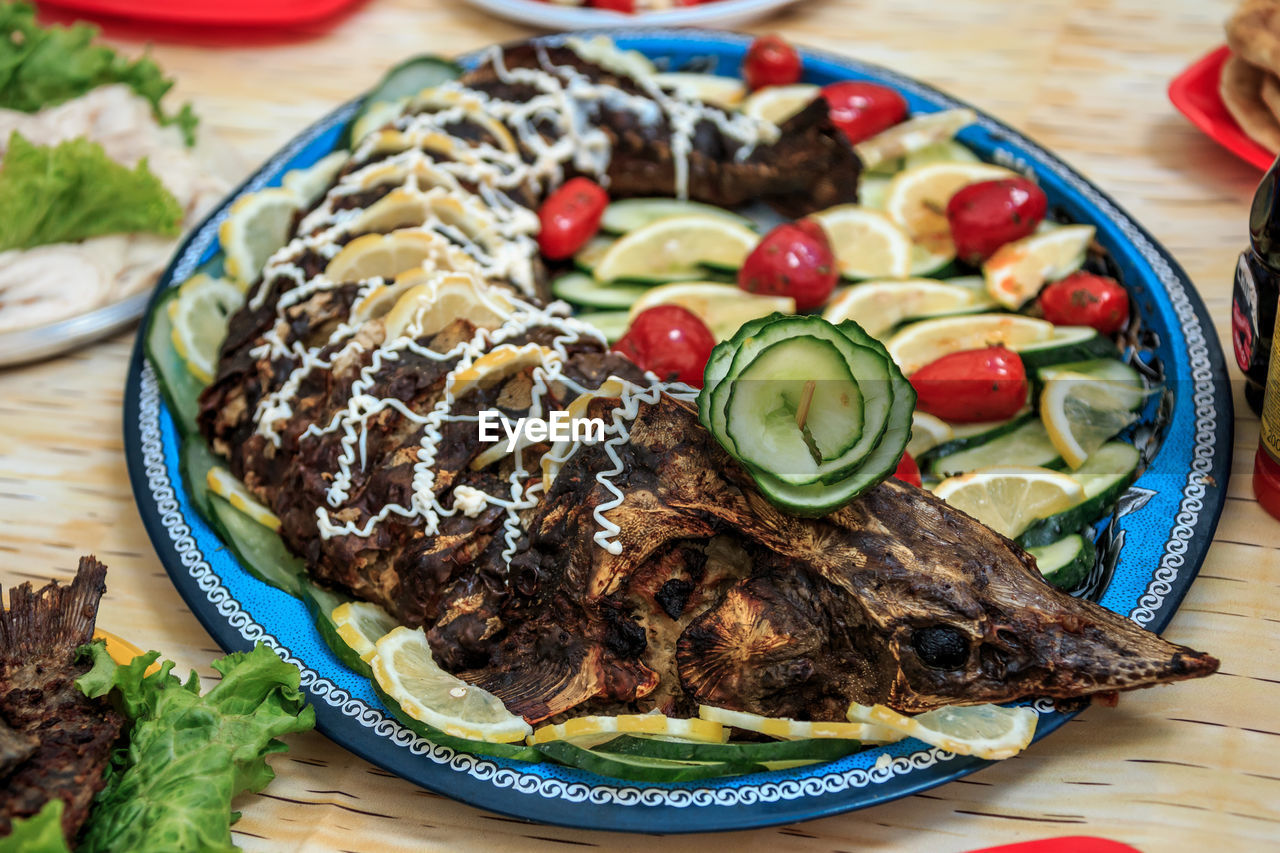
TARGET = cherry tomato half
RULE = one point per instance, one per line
(972, 386)
(570, 217)
(627, 6)
(986, 215)
(1085, 299)
(862, 110)
(670, 341)
(794, 259)
(770, 61)
(908, 471)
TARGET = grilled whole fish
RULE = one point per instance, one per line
(54, 741)
(646, 571)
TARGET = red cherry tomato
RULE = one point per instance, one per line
(770, 61)
(1085, 299)
(671, 341)
(972, 386)
(570, 217)
(986, 215)
(862, 110)
(794, 259)
(908, 471)
(627, 6)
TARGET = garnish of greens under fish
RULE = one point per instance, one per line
(45, 66)
(73, 191)
(173, 758)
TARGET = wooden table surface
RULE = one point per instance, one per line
(1181, 767)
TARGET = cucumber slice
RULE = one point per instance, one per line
(874, 385)
(1067, 562)
(768, 394)
(581, 289)
(966, 436)
(403, 82)
(640, 769)
(321, 603)
(721, 359)
(260, 550)
(1104, 477)
(1109, 370)
(195, 460)
(807, 750)
(612, 323)
(632, 213)
(515, 752)
(181, 390)
(1069, 343)
(1028, 445)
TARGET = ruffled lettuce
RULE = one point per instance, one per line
(73, 191)
(40, 833)
(45, 66)
(189, 754)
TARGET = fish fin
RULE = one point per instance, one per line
(55, 618)
(549, 687)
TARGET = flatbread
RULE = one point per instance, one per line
(1253, 32)
(1241, 89)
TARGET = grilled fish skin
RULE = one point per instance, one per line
(70, 736)
(896, 598)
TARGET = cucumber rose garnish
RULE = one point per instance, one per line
(817, 412)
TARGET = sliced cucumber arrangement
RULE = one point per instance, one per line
(581, 289)
(966, 436)
(612, 323)
(640, 768)
(767, 752)
(397, 86)
(1103, 477)
(260, 550)
(1027, 443)
(1067, 344)
(630, 214)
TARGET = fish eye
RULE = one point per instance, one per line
(941, 646)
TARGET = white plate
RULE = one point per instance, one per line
(552, 16)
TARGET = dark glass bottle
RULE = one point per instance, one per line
(1253, 303)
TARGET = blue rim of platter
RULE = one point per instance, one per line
(1165, 523)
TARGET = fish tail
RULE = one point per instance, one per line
(54, 617)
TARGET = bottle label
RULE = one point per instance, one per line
(1244, 315)
(1269, 429)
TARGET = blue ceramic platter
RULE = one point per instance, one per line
(1152, 547)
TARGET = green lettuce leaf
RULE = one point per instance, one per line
(45, 66)
(40, 833)
(73, 191)
(188, 754)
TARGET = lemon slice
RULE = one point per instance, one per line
(927, 432)
(1017, 270)
(786, 728)
(307, 185)
(921, 343)
(1008, 499)
(878, 306)
(912, 135)
(1082, 412)
(723, 307)
(553, 460)
(376, 116)
(985, 731)
(497, 364)
(256, 226)
(674, 248)
(582, 729)
(404, 668)
(361, 624)
(427, 308)
(238, 495)
(779, 103)
(917, 199)
(866, 242)
(383, 255)
(724, 92)
(199, 317)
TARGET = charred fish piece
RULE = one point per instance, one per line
(58, 741)
(896, 598)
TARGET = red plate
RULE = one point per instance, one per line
(222, 13)
(1195, 93)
